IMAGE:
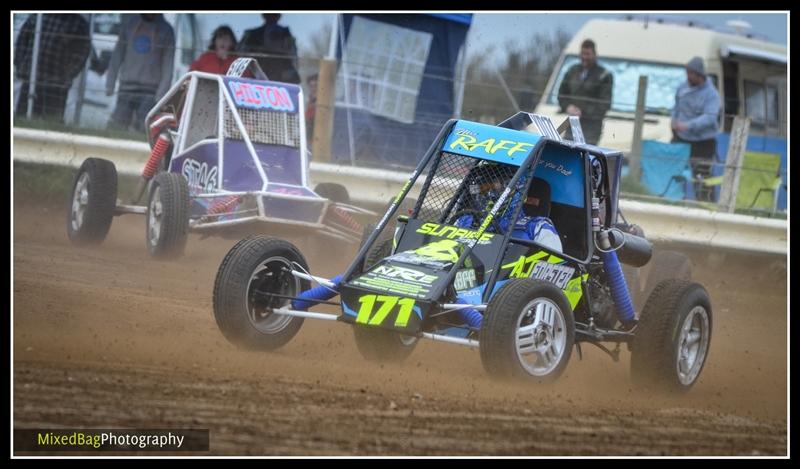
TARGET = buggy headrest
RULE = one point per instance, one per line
(540, 191)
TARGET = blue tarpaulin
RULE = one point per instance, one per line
(383, 141)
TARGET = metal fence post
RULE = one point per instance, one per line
(733, 163)
(638, 124)
(76, 119)
(34, 65)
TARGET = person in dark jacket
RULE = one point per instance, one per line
(219, 56)
(64, 46)
(274, 47)
(143, 62)
(311, 105)
(585, 92)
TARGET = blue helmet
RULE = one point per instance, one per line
(485, 183)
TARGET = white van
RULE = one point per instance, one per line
(749, 73)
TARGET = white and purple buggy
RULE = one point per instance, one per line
(226, 151)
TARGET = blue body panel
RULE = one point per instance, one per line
(489, 142)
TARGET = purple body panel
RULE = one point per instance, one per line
(199, 167)
(302, 210)
(281, 164)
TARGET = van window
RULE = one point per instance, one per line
(106, 23)
(662, 82)
(186, 37)
(761, 104)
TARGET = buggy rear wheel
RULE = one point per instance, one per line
(666, 265)
(253, 270)
(527, 332)
(673, 336)
(167, 216)
(633, 282)
(382, 345)
(382, 247)
(332, 191)
(94, 198)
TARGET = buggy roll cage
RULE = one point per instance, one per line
(224, 117)
(520, 121)
(236, 70)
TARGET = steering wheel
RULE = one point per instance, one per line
(494, 225)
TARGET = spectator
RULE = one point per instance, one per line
(143, 62)
(64, 46)
(695, 121)
(219, 56)
(275, 48)
(585, 92)
(311, 105)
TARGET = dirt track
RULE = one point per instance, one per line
(109, 338)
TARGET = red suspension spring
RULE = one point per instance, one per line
(224, 205)
(348, 219)
(159, 150)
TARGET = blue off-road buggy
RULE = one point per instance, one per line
(429, 274)
(228, 154)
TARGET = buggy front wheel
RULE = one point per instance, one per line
(94, 197)
(528, 331)
(255, 278)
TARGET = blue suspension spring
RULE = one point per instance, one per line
(471, 316)
(619, 288)
(313, 296)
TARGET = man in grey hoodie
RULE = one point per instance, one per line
(695, 120)
(143, 62)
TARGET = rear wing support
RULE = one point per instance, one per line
(242, 64)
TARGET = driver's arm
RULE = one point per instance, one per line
(542, 231)
(464, 221)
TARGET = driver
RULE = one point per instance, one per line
(533, 223)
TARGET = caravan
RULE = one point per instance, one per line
(749, 73)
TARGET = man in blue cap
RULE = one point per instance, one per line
(695, 120)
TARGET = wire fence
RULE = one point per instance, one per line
(66, 87)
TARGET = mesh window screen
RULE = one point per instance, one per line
(204, 113)
(264, 126)
(462, 186)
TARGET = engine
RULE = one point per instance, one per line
(602, 304)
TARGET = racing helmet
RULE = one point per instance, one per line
(485, 184)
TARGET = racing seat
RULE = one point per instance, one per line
(568, 221)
